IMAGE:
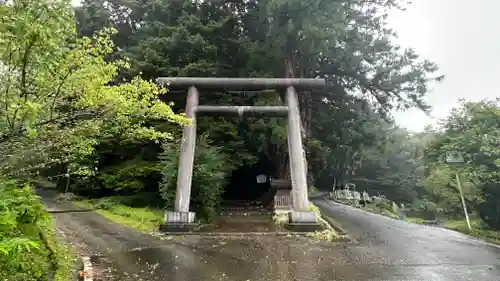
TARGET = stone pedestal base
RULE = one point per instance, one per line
(302, 222)
(179, 217)
(178, 222)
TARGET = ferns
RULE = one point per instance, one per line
(17, 246)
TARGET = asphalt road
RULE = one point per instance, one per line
(385, 249)
(413, 252)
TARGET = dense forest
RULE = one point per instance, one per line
(79, 106)
(346, 128)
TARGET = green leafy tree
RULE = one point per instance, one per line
(473, 130)
(60, 99)
(60, 94)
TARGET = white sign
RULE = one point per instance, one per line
(261, 178)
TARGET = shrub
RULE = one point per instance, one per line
(24, 228)
(211, 168)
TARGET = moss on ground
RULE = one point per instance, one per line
(143, 219)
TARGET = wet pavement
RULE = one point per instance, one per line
(383, 249)
(410, 251)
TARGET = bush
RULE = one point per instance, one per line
(423, 208)
(25, 253)
(211, 168)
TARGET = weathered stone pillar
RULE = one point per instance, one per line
(181, 214)
(186, 161)
(296, 154)
(300, 218)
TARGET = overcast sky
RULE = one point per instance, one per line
(462, 37)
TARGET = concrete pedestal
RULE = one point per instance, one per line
(302, 222)
(178, 222)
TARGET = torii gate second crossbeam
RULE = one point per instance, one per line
(300, 215)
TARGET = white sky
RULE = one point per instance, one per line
(462, 37)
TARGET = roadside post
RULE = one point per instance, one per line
(456, 158)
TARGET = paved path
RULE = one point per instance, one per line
(413, 252)
(387, 250)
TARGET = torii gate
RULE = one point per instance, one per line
(300, 215)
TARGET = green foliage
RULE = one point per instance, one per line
(61, 97)
(76, 108)
(474, 131)
(479, 229)
(127, 175)
(24, 227)
(211, 168)
(425, 209)
(346, 42)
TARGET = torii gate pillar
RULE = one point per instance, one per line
(301, 216)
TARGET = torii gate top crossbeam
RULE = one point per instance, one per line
(249, 84)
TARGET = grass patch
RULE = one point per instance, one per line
(65, 259)
(52, 260)
(143, 219)
(414, 220)
(373, 208)
(479, 230)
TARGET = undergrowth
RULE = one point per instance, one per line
(479, 230)
(28, 247)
